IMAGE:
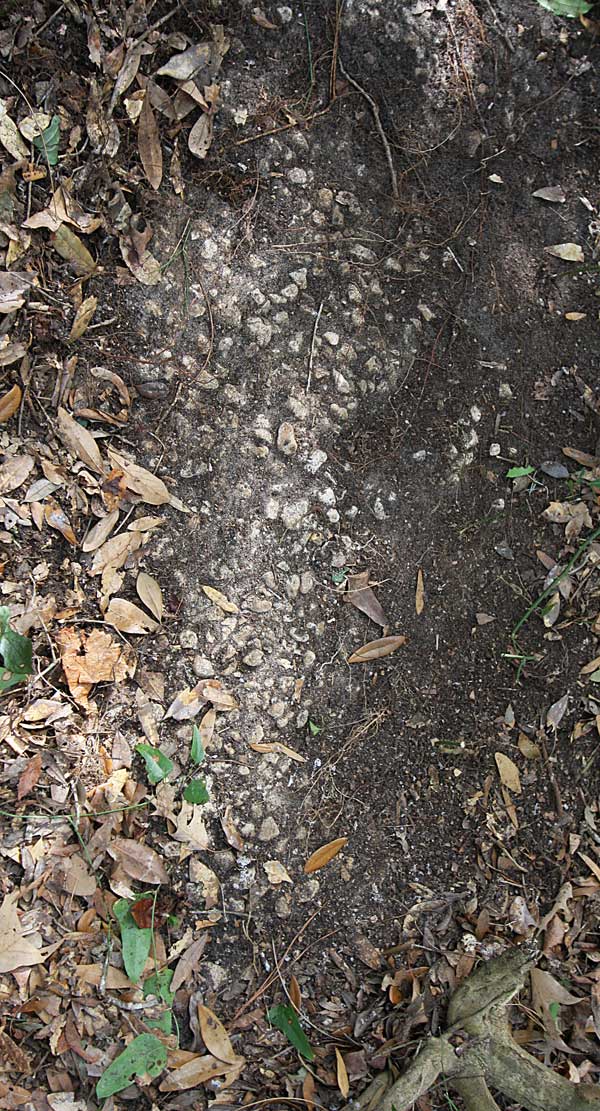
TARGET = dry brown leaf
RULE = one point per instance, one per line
(376, 649)
(575, 316)
(219, 599)
(114, 552)
(14, 472)
(187, 703)
(73, 250)
(142, 263)
(557, 712)
(13, 285)
(420, 593)
(88, 659)
(150, 489)
(508, 772)
(207, 728)
(552, 193)
(79, 441)
(360, 595)
(322, 856)
(16, 951)
(208, 880)
(528, 748)
(149, 144)
(9, 403)
(569, 252)
(147, 713)
(342, 1074)
(261, 20)
(56, 517)
(190, 828)
(200, 136)
(150, 594)
(193, 1073)
(138, 861)
(100, 532)
(593, 867)
(295, 993)
(188, 962)
(545, 991)
(215, 1036)
(277, 746)
(129, 618)
(74, 877)
(93, 974)
(276, 872)
(29, 777)
(11, 352)
(83, 319)
(231, 833)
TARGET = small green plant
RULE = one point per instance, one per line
(16, 654)
(285, 1019)
(135, 942)
(159, 766)
(569, 8)
(145, 1055)
(48, 141)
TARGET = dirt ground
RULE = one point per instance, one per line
(357, 333)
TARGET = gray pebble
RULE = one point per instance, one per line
(269, 830)
(254, 658)
(202, 667)
(188, 638)
(286, 439)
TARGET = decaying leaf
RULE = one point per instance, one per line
(200, 136)
(420, 593)
(546, 992)
(322, 856)
(215, 1036)
(277, 746)
(360, 595)
(376, 649)
(190, 828)
(207, 727)
(83, 318)
(190, 701)
(219, 599)
(151, 595)
(508, 772)
(208, 880)
(552, 193)
(230, 830)
(88, 659)
(557, 712)
(569, 252)
(29, 777)
(79, 441)
(14, 471)
(9, 403)
(129, 618)
(188, 961)
(138, 861)
(276, 872)
(115, 551)
(73, 250)
(100, 532)
(193, 1073)
(149, 144)
(16, 950)
(149, 488)
(57, 519)
(342, 1074)
(14, 285)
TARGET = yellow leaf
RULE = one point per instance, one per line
(376, 649)
(219, 599)
(150, 594)
(322, 856)
(420, 593)
(83, 318)
(508, 772)
(215, 1036)
(342, 1074)
(9, 403)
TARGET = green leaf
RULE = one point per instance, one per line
(16, 649)
(146, 1054)
(313, 728)
(554, 1010)
(519, 472)
(196, 792)
(286, 1020)
(157, 764)
(48, 141)
(135, 943)
(197, 753)
(569, 8)
(339, 577)
(595, 676)
(8, 680)
(159, 984)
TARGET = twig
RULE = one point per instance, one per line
(312, 347)
(378, 124)
(283, 127)
(273, 975)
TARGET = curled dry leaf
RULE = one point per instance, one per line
(9, 403)
(149, 144)
(83, 318)
(151, 595)
(100, 532)
(508, 772)
(207, 728)
(230, 831)
(215, 1036)
(14, 472)
(219, 599)
(569, 252)
(420, 593)
(277, 746)
(276, 872)
(342, 1074)
(149, 488)
(188, 962)
(376, 649)
(360, 595)
(79, 441)
(57, 519)
(188, 702)
(129, 618)
(138, 861)
(193, 1073)
(322, 856)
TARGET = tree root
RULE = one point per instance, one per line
(477, 1052)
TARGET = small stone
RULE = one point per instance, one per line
(309, 658)
(286, 439)
(260, 329)
(293, 514)
(292, 587)
(307, 891)
(505, 391)
(202, 668)
(269, 830)
(254, 658)
(316, 460)
(325, 198)
(257, 604)
(426, 312)
(290, 292)
(283, 906)
(188, 638)
(299, 277)
(277, 709)
(332, 338)
(378, 511)
(341, 383)
(285, 14)
(333, 516)
(297, 176)
(419, 456)
(307, 582)
(495, 450)
(475, 413)
(327, 496)
(256, 734)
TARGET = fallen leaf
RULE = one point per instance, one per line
(88, 659)
(138, 861)
(14, 284)
(193, 1073)
(295, 993)
(208, 880)
(29, 777)
(200, 136)
(342, 1074)
(376, 649)
(190, 828)
(188, 962)
(557, 712)
(552, 193)
(57, 519)
(129, 618)
(207, 727)
(231, 833)
(83, 318)
(360, 595)
(277, 746)
(569, 252)
(420, 593)
(100, 532)
(14, 472)
(149, 144)
(215, 1036)
(71, 248)
(575, 316)
(93, 974)
(186, 64)
(276, 873)
(528, 748)
(150, 489)
(508, 772)
(322, 856)
(74, 877)
(16, 951)
(115, 551)
(219, 599)
(79, 441)
(546, 991)
(150, 594)
(10, 137)
(188, 702)
(9, 403)
(11, 352)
